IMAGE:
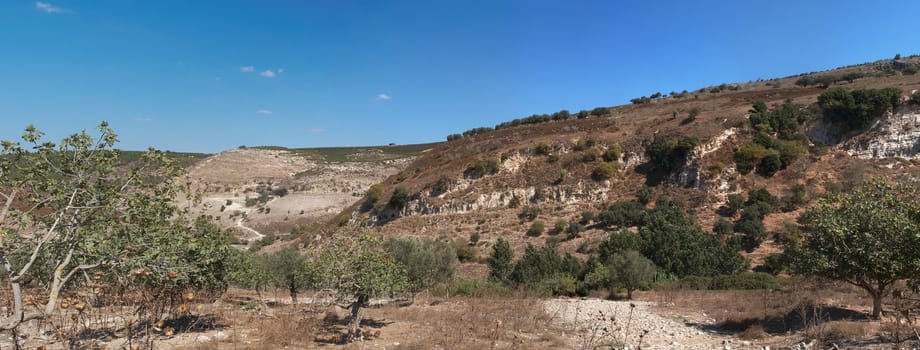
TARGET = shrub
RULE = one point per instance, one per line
(599, 111)
(543, 149)
(591, 155)
(747, 157)
(561, 115)
(399, 199)
(536, 228)
(465, 252)
(583, 144)
(770, 164)
(856, 109)
(426, 262)
(374, 193)
(574, 229)
(559, 226)
(630, 270)
(604, 171)
(587, 216)
(915, 98)
(775, 263)
(735, 203)
(613, 153)
(556, 284)
(645, 195)
(753, 233)
(499, 262)
(723, 227)
(529, 213)
(439, 187)
(481, 168)
(667, 153)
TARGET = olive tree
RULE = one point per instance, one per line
(630, 270)
(427, 262)
(869, 238)
(286, 269)
(356, 268)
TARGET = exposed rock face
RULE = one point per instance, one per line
(691, 175)
(580, 192)
(894, 135)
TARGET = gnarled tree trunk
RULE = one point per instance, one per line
(354, 324)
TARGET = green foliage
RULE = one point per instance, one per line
(604, 171)
(735, 202)
(630, 270)
(748, 156)
(753, 233)
(573, 230)
(481, 168)
(675, 244)
(869, 237)
(426, 262)
(794, 198)
(439, 187)
(668, 153)
(769, 154)
(399, 199)
(529, 213)
(723, 227)
(559, 226)
(90, 212)
(500, 266)
(583, 144)
(536, 228)
(543, 149)
(373, 195)
(465, 251)
(856, 109)
(248, 271)
(357, 268)
(740, 281)
(613, 153)
(545, 271)
(591, 155)
(587, 217)
(600, 111)
(624, 214)
(645, 195)
(288, 269)
(776, 263)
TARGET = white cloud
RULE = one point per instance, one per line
(383, 97)
(264, 111)
(316, 130)
(247, 69)
(49, 8)
(268, 74)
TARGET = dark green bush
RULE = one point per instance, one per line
(529, 213)
(604, 171)
(856, 109)
(426, 262)
(481, 168)
(399, 199)
(536, 228)
(543, 149)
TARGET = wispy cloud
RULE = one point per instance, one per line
(247, 69)
(280, 70)
(264, 111)
(268, 74)
(316, 130)
(49, 8)
(383, 97)
(143, 120)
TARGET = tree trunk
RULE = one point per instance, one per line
(876, 305)
(629, 294)
(293, 291)
(355, 323)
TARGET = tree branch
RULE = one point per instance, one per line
(47, 237)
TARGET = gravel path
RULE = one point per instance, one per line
(597, 322)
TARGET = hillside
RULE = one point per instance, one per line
(550, 164)
(275, 190)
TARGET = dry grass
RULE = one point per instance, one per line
(478, 323)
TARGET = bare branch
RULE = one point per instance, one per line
(47, 237)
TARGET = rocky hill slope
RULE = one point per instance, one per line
(683, 146)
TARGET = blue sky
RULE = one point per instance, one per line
(211, 75)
